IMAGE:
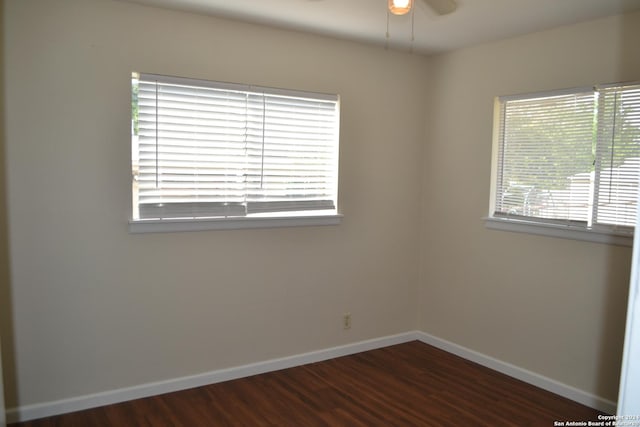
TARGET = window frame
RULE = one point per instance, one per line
(277, 218)
(614, 235)
(232, 223)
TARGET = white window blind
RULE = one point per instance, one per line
(569, 157)
(618, 156)
(205, 149)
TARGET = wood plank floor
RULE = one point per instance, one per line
(411, 384)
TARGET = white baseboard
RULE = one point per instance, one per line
(41, 410)
(529, 377)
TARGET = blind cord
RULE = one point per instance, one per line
(264, 120)
(157, 161)
(613, 140)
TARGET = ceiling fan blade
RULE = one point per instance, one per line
(442, 7)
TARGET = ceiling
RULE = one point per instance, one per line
(474, 22)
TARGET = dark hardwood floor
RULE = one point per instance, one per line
(411, 384)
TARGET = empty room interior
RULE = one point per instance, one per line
(97, 309)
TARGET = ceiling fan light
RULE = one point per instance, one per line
(400, 7)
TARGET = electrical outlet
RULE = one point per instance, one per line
(346, 321)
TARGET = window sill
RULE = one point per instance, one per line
(560, 231)
(178, 225)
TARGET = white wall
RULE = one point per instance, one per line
(555, 307)
(5, 315)
(96, 308)
(629, 394)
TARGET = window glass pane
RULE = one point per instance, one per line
(291, 154)
(570, 157)
(546, 157)
(618, 155)
(207, 149)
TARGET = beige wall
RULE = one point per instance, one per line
(552, 306)
(6, 357)
(93, 308)
(96, 308)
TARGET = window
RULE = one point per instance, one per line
(568, 160)
(206, 151)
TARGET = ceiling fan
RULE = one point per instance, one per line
(441, 7)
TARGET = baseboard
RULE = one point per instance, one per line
(41, 410)
(521, 374)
